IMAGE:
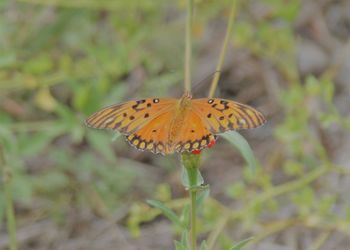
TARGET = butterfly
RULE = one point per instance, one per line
(169, 125)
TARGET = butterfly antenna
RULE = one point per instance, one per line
(195, 87)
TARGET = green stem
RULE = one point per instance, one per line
(188, 47)
(320, 240)
(10, 214)
(193, 195)
(192, 176)
(193, 183)
(229, 29)
(290, 186)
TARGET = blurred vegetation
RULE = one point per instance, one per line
(62, 60)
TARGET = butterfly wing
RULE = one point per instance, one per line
(150, 124)
(128, 117)
(158, 134)
(154, 135)
(222, 115)
(193, 134)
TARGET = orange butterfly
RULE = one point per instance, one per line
(168, 125)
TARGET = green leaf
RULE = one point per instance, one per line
(243, 147)
(7, 59)
(101, 142)
(32, 144)
(167, 212)
(116, 136)
(185, 178)
(202, 195)
(184, 243)
(241, 244)
(179, 246)
(204, 245)
(185, 239)
(185, 216)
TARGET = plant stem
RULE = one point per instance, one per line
(215, 81)
(193, 195)
(188, 47)
(10, 214)
(320, 240)
(192, 176)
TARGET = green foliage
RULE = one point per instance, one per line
(61, 61)
(241, 244)
(243, 147)
(59, 71)
(185, 178)
(184, 243)
(272, 36)
(168, 213)
(203, 245)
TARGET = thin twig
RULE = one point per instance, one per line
(219, 227)
(216, 78)
(188, 48)
(273, 228)
(318, 243)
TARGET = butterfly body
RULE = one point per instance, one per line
(168, 125)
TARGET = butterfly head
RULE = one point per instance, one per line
(187, 95)
(186, 99)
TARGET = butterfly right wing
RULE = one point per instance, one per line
(193, 134)
(222, 115)
(154, 135)
(128, 117)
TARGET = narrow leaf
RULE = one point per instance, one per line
(202, 195)
(241, 244)
(116, 136)
(167, 212)
(185, 239)
(185, 215)
(180, 246)
(186, 179)
(243, 147)
(204, 245)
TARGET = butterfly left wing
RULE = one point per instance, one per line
(222, 115)
(129, 116)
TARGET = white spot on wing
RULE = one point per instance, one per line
(108, 120)
(242, 122)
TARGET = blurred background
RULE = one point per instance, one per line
(76, 188)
